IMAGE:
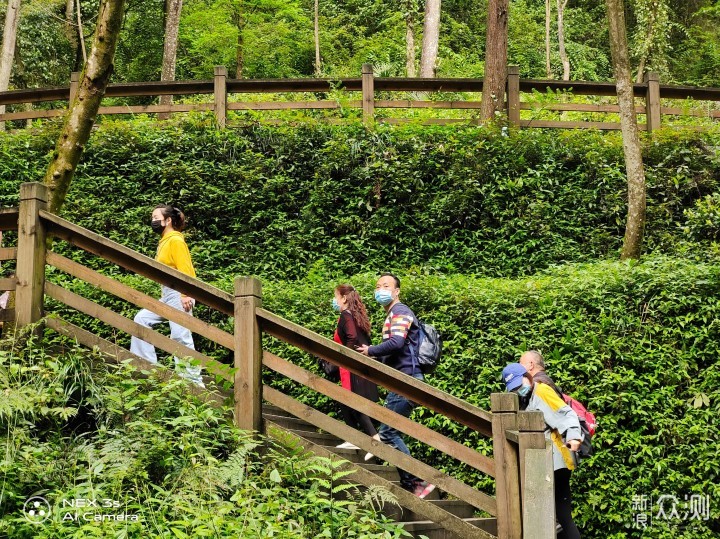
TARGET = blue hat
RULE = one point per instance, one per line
(512, 375)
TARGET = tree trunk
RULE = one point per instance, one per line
(635, 225)
(561, 5)
(641, 71)
(431, 37)
(81, 35)
(81, 116)
(7, 55)
(410, 39)
(240, 48)
(496, 45)
(318, 66)
(70, 32)
(172, 28)
(548, 13)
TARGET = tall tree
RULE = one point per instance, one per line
(431, 37)
(548, 14)
(173, 8)
(496, 51)
(7, 55)
(239, 20)
(318, 67)
(561, 5)
(635, 224)
(83, 110)
(409, 16)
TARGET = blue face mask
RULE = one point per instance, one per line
(335, 305)
(383, 297)
(524, 391)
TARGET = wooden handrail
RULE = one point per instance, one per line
(111, 286)
(140, 264)
(428, 436)
(417, 391)
(9, 218)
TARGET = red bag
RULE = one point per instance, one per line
(588, 424)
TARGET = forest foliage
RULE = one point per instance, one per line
(271, 38)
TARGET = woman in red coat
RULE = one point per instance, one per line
(353, 330)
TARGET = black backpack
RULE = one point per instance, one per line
(429, 350)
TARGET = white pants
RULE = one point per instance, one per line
(177, 333)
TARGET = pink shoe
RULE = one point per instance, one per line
(423, 489)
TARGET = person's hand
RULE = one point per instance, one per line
(363, 349)
(574, 445)
(187, 303)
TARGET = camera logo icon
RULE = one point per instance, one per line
(36, 509)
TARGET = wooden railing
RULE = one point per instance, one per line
(520, 464)
(520, 98)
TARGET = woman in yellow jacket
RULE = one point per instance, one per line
(172, 251)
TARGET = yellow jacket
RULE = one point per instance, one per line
(173, 251)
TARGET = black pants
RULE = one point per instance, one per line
(563, 505)
(358, 420)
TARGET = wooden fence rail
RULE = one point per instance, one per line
(519, 465)
(520, 98)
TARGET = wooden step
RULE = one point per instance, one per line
(289, 422)
(457, 507)
(432, 530)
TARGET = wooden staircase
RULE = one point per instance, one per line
(520, 465)
(280, 423)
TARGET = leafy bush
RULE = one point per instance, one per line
(636, 342)
(171, 465)
(703, 220)
(274, 201)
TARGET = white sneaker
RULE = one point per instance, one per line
(347, 445)
(369, 456)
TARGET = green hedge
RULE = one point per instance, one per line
(273, 201)
(638, 343)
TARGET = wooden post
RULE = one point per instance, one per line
(531, 426)
(536, 477)
(220, 96)
(74, 84)
(30, 254)
(513, 96)
(368, 94)
(504, 408)
(652, 101)
(248, 355)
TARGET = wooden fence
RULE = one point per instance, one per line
(520, 97)
(521, 463)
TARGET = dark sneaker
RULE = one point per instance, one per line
(423, 488)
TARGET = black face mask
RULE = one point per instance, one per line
(156, 226)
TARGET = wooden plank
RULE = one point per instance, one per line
(668, 91)
(539, 499)
(140, 264)
(113, 353)
(32, 114)
(531, 427)
(9, 218)
(410, 104)
(513, 95)
(368, 93)
(248, 86)
(7, 315)
(607, 126)
(220, 96)
(8, 283)
(428, 436)
(153, 109)
(174, 87)
(34, 95)
(652, 101)
(507, 482)
(30, 271)
(8, 253)
(294, 105)
(576, 87)
(430, 121)
(144, 301)
(405, 499)
(133, 328)
(700, 113)
(368, 368)
(248, 355)
(443, 481)
(579, 107)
